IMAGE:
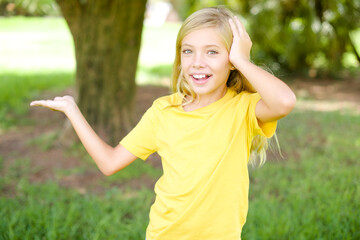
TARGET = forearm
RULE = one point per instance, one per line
(101, 152)
(108, 159)
(277, 96)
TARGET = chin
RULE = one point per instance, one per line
(203, 92)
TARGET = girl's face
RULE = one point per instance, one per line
(205, 63)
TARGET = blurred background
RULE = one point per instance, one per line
(116, 57)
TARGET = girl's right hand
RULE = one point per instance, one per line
(62, 104)
(241, 46)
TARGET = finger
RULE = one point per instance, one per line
(240, 26)
(233, 28)
(42, 103)
(37, 102)
(69, 97)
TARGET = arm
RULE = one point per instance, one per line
(108, 159)
(277, 99)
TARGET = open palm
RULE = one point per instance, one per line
(62, 104)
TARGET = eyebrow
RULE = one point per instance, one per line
(206, 46)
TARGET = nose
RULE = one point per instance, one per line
(198, 61)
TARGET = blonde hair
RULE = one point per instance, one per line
(218, 18)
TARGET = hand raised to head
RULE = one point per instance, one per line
(241, 46)
(62, 104)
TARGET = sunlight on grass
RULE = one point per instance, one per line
(31, 44)
(158, 45)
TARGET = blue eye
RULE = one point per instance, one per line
(212, 52)
(186, 51)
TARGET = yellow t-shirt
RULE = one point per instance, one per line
(203, 192)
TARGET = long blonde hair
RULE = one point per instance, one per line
(218, 18)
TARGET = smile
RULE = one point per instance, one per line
(200, 79)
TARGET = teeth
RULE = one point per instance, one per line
(199, 76)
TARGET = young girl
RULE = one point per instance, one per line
(222, 110)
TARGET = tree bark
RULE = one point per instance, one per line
(107, 38)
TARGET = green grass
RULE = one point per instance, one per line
(30, 44)
(134, 170)
(18, 89)
(35, 44)
(313, 193)
(46, 211)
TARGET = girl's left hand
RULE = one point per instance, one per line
(241, 46)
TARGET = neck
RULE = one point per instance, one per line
(204, 100)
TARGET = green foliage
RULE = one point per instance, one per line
(28, 8)
(302, 35)
(185, 8)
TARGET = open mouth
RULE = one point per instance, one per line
(200, 78)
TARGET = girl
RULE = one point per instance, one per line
(222, 110)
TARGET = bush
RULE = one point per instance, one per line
(312, 37)
(29, 8)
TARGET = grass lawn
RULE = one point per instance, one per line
(312, 193)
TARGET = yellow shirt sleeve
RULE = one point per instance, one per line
(141, 141)
(264, 129)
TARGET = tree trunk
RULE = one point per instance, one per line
(107, 37)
